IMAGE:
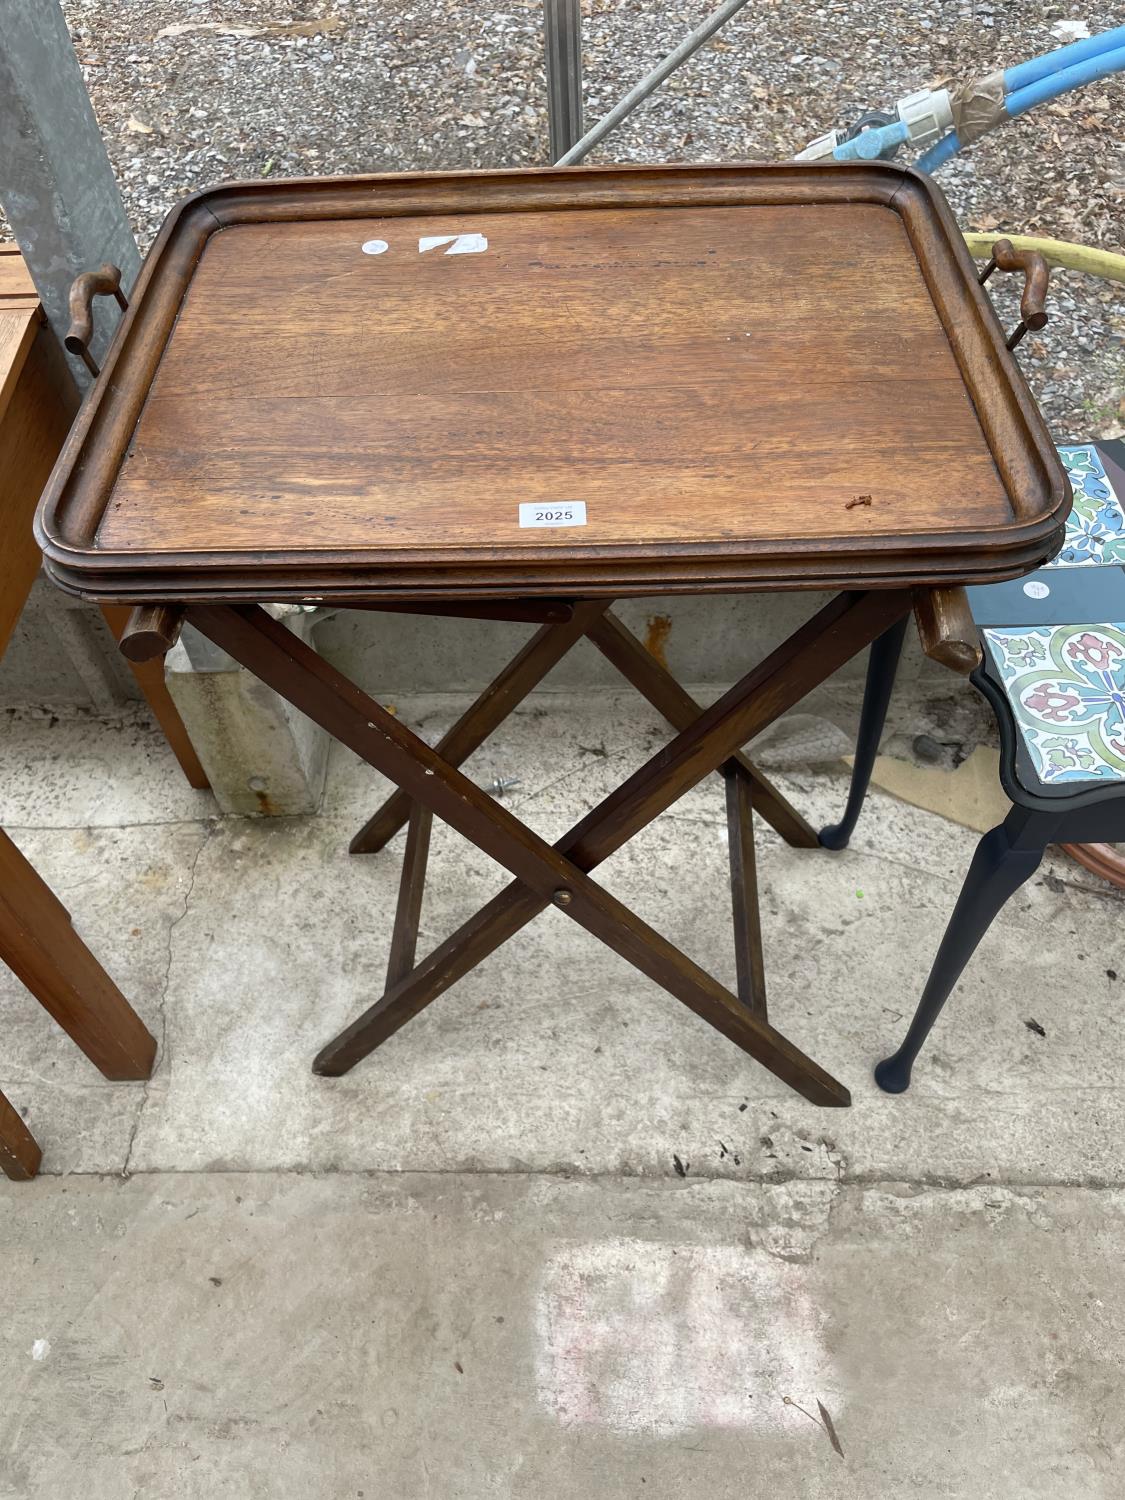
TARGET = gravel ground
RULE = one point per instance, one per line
(191, 92)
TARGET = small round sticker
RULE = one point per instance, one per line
(1036, 589)
(375, 247)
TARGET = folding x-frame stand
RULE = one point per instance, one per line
(430, 784)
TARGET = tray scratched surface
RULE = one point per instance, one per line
(748, 377)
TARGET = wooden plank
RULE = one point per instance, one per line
(42, 949)
(32, 430)
(15, 278)
(18, 327)
(424, 507)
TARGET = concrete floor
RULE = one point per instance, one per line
(471, 1267)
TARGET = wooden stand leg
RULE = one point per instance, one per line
(19, 1154)
(749, 963)
(639, 667)
(150, 677)
(524, 672)
(749, 707)
(545, 875)
(42, 949)
(412, 885)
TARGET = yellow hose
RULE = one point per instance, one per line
(1105, 263)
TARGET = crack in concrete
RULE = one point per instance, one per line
(89, 827)
(533, 794)
(208, 832)
(862, 1180)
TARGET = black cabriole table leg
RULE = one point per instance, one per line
(1005, 858)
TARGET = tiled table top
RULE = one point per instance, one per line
(1065, 676)
(1095, 528)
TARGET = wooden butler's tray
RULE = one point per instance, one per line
(750, 376)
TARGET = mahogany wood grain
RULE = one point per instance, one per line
(717, 361)
(262, 441)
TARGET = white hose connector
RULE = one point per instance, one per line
(927, 115)
(821, 149)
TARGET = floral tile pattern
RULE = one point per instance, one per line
(1066, 685)
(1095, 528)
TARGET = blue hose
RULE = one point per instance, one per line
(1043, 88)
(1063, 57)
(939, 153)
(1088, 71)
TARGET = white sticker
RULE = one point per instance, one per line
(459, 244)
(1036, 590)
(566, 513)
(375, 247)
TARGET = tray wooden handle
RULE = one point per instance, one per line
(150, 631)
(104, 282)
(947, 630)
(1033, 303)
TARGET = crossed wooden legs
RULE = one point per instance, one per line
(747, 788)
(559, 874)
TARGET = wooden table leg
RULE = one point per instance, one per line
(19, 1153)
(765, 693)
(749, 963)
(150, 679)
(637, 665)
(412, 885)
(544, 874)
(43, 950)
(522, 675)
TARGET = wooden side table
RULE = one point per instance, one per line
(43, 413)
(1053, 671)
(37, 941)
(527, 394)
